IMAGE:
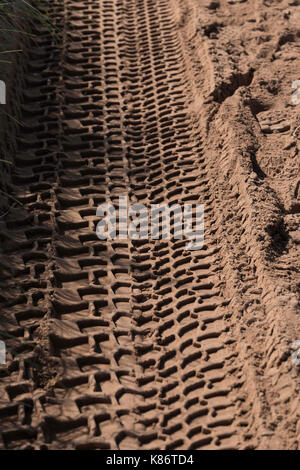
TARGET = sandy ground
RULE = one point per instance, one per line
(144, 344)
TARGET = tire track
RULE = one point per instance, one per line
(121, 344)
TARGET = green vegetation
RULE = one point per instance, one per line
(18, 18)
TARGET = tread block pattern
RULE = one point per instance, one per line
(117, 344)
